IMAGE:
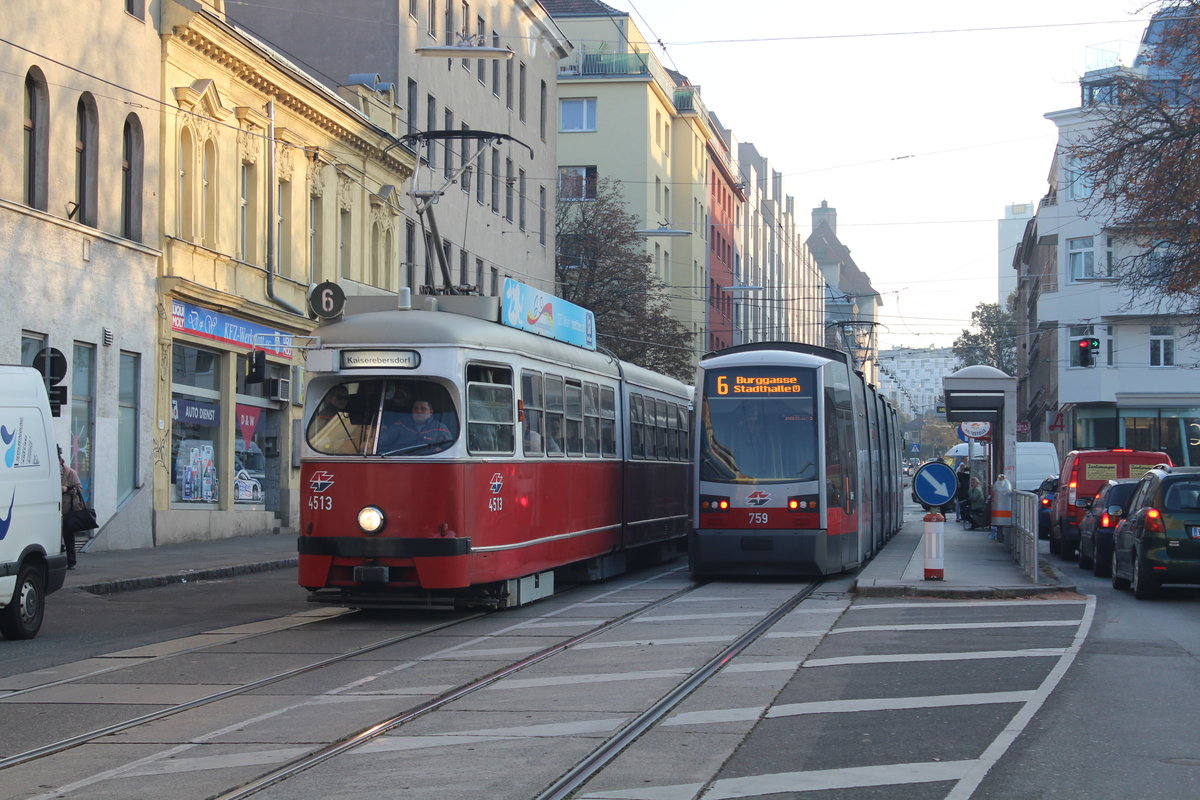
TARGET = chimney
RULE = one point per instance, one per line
(825, 214)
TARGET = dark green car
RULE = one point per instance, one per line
(1159, 541)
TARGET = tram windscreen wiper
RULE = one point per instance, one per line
(412, 448)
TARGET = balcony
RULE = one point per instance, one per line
(687, 100)
(581, 64)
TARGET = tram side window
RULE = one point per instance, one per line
(531, 397)
(637, 430)
(660, 428)
(591, 420)
(490, 425)
(553, 438)
(685, 441)
(672, 424)
(573, 395)
(608, 422)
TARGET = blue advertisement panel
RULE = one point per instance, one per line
(535, 311)
(187, 318)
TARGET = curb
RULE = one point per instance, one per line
(183, 576)
(933, 589)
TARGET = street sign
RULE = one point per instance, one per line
(327, 300)
(916, 448)
(975, 430)
(52, 364)
(934, 483)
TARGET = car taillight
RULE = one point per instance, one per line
(1072, 484)
(1154, 523)
(1046, 501)
(1105, 520)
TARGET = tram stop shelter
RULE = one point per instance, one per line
(980, 393)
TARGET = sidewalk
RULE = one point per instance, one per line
(122, 570)
(973, 566)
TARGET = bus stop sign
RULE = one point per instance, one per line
(934, 483)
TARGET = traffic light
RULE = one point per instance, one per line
(1087, 348)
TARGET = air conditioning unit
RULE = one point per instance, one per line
(279, 389)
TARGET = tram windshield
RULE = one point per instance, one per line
(758, 425)
(384, 417)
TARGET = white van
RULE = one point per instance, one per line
(1035, 461)
(32, 561)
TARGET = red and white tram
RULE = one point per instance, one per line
(798, 463)
(537, 455)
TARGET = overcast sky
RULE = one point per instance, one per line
(919, 122)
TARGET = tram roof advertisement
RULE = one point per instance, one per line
(533, 310)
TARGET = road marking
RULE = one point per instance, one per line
(900, 658)
(937, 604)
(795, 782)
(897, 703)
(960, 626)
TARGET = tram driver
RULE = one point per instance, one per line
(419, 427)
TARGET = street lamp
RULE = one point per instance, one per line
(469, 46)
(663, 230)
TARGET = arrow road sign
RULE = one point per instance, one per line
(934, 483)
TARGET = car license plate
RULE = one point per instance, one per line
(1195, 529)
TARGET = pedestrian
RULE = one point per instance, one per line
(963, 476)
(976, 505)
(72, 500)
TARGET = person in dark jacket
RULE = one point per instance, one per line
(976, 506)
(72, 500)
(960, 492)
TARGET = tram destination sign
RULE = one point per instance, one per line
(376, 359)
(756, 385)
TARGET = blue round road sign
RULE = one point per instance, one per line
(934, 483)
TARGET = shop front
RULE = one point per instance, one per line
(1173, 430)
(228, 469)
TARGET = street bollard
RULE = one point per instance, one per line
(935, 531)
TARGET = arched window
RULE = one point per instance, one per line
(36, 139)
(86, 132)
(389, 247)
(132, 160)
(187, 185)
(209, 198)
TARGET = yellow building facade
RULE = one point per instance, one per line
(272, 183)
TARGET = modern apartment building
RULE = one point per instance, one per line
(1141, 390)
(911, 377)
(496, 217)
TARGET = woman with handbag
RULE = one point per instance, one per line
(72, 500)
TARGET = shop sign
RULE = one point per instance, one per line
(187, 318)
(194, 412)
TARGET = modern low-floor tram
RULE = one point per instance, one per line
(797, 466)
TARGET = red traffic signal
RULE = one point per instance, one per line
(1086, 348)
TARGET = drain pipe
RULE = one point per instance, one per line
(272, 188)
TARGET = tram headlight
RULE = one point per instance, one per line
(710, 502)
(371, 519)
(802, 502)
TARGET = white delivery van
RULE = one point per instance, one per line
(32, 561)
(1035, 461)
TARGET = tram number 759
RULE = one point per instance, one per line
(759, 518)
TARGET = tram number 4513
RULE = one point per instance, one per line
(495, 504)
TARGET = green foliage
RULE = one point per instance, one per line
(991, 339)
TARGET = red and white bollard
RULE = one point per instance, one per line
(935, 532)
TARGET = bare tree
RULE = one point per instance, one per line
(603, 266)
(1141, 159)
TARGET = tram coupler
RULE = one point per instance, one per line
(935, 534)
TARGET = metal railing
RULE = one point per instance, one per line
(1022, 536)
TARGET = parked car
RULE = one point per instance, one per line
(1159, 541)
(1045, 494)
(1107, 508)
(1083, 473)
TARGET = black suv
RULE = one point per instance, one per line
(1159, 541)
(1106, 509)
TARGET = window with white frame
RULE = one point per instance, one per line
(1079, 184)
(1081, 258)
(1162, 345)
(577, 114)
(577, 183)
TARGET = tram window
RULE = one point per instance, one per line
(672, 425)
(573, 397)
(660, 428)
(636, 430)
(489, 419)
(685, 439)
(608, 422)
(553, 439)
(531, 397)
(591, 420)
(348, 418)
